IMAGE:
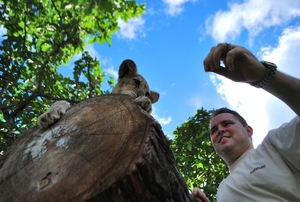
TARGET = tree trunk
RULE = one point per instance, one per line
(103, 149)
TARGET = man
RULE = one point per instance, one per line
(272, 171)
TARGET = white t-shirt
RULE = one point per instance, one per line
(271, 172)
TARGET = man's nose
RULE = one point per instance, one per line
(221, 130)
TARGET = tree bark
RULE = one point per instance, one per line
(103, 149)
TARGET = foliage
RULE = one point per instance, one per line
(41, 36)
(195, 155)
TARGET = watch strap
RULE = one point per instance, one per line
(271, 68)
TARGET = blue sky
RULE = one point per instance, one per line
(170, 41)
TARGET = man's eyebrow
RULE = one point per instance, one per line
(227, 120)
(223, 121)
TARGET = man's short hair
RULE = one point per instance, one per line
(226, 110)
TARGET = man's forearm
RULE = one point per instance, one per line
(287, 89)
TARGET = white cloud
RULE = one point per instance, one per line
(131, 29)
(162, 120)
(105, 63)
(175, 6)
(285, 55)
(151, 11)
(195, 101)
(262, 110)
(252, 15)
(92, 51)
(111, 71)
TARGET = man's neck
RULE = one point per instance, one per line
(233, 159)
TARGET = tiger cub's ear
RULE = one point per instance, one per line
(127, 69)
(154, 96)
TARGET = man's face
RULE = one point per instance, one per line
(229, 137)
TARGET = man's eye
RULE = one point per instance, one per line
(226, 123)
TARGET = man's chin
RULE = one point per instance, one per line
(225, 146)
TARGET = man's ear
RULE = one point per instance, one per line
(127, 69)
(249, 131)
(154, 96)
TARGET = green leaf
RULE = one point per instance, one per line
(196, 158)
(46, 47)
(42, 36)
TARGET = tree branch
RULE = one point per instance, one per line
(51, 97)
(24, 104)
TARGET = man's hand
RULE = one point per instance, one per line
(240, 64)
(199, 196)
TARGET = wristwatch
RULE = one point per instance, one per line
(271, 68)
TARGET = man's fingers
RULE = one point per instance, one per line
(231, 56)
(223, 71)
(216, 54)
(199, 196)
(208, 61)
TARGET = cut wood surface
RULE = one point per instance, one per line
(103, 149)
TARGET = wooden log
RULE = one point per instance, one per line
(103, 149)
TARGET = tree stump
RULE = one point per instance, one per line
(103, 149)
